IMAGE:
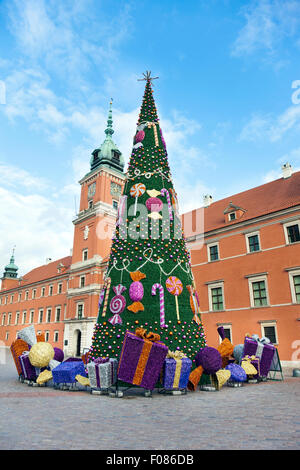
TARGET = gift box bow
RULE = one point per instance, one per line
(175, 355)
(263, 339)
(142, 333)
(250, 359)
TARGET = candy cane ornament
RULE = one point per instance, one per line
(152, 124)
(107, 286)
(166, 192)
(161, 302)
(121, 210)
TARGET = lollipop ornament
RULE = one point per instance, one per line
(136, 191)
(174, 286)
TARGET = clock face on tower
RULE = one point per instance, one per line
(91, 190)
(115, 189)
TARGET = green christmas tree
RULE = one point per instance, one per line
(148, 281)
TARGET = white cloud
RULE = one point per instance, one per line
(271, 127)
(267, 24)
(13, 176)
(36, 225)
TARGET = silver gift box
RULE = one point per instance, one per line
(102, 376)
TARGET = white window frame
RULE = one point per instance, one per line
(226, 326)
(83, 254)
(6, 335)
(33, 294)
(31, 316)
(115, 208)
(17, 318)
(47, 314)
(41, 311)
(55, 333)
(43, 290)
(50, 291)
(251, 280)
(3, 319)
(209, 245)
(285, 227)
(252, 234)
(47, 335)
(211, 286)
(11, 298)
(269, 323)
(59, 287)
(26, 294)
(82, 277)
(292, 273)
(9, 316)
(56, 308)
(229, 214)
(24, 315)
(80, 304)
(20, 297)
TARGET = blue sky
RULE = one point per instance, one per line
(225, 96)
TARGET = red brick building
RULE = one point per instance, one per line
(61, 297)
(246, 263)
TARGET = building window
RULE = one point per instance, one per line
(11, 299)
(115, 205)
(24, 318)
(213, 252)
(9, 319)
(17, 318)
(91, 204)
(20, 297)
(26, 295)
(31, 316)
(3, 319)
(41, 313)
(292, 232)
(7, 335)
(82, 281)
(294, 278)
(47, 336)
(79, 311)
(50, 290)
(57, 314)
(49, 315)
(43, 292)
(59, 288)
(216, 297)
(253, 243)
(258, 291)
(232, 216)
(55, 336)
(84, 255)
(33, 293)
(269, 330)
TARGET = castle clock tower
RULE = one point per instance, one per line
(101, 189)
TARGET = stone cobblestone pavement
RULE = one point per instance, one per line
(264, 416)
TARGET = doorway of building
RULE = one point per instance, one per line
(77, 342)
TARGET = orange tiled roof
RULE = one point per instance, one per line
(47, 271)
(265, 199)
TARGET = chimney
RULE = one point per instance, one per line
(287, 170)
(207, 200)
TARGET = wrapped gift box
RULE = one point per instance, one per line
(142, 358)
(254, 360)
(66, 372)
(102, 372)
(17, 348)
(176, 371)
(28, 370)
(263, 350)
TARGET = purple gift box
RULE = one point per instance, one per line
(28, 370)
(264, 352)
(172, 368)
(141, 361)
(66, 372)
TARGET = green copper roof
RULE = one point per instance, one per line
(11, 269)
(108, 154)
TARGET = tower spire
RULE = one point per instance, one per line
(109, 129)
(11, 269)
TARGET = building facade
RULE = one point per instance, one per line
(61, 298)
(246, 264)
(245, 253)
